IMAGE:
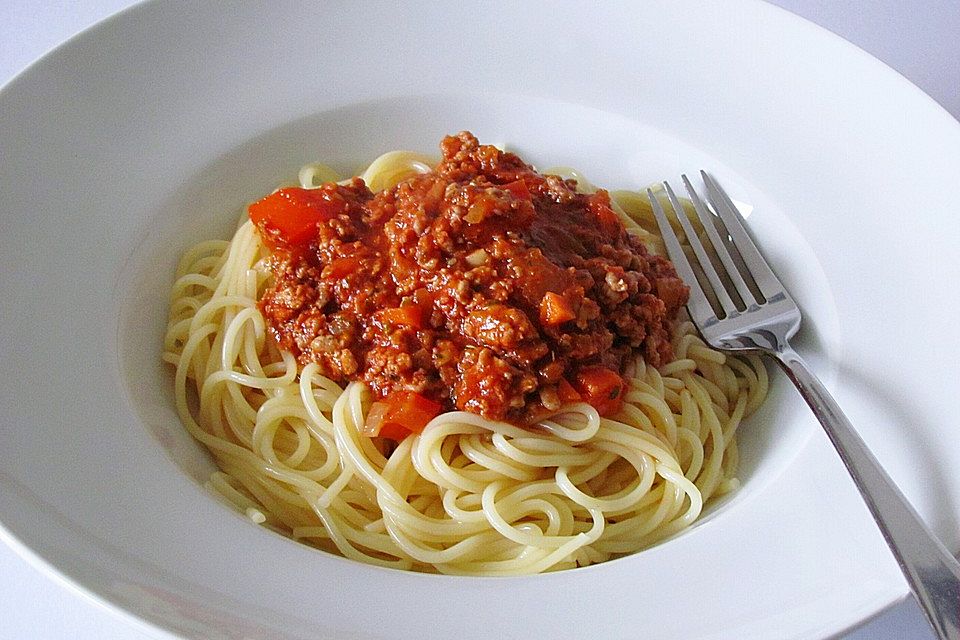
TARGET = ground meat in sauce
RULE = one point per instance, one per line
(482, 285)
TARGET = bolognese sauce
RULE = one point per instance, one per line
(482, 286)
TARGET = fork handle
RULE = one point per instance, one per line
(931, 570)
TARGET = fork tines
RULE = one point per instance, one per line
(735, 277)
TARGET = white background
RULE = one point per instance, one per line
(921, 40)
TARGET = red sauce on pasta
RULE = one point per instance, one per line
(482, 286)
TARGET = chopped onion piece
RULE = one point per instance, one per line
(478, 258)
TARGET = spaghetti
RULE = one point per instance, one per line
(468, 495)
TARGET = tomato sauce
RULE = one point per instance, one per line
(482, 286)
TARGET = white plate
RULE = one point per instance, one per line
(148, 133)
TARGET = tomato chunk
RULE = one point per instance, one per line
(601, 388)
(288, 217)
(400, 414)
(555, 309)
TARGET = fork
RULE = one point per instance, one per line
(761, 317)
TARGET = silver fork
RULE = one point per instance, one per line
(762, 318)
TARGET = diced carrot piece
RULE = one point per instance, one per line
(601, 388)
(481, 208)
(406, 316)
(518, 188)
(341, 267)
(555, 309)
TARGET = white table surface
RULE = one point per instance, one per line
(920, 39)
